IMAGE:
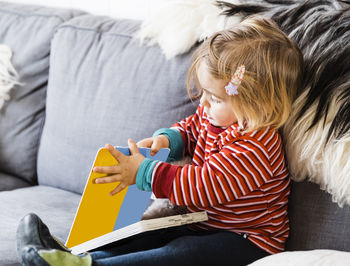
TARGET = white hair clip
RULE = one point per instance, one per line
(232, 86)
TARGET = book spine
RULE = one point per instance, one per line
(139, 227)
(176, 220)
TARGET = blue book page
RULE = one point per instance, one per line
(136, 201)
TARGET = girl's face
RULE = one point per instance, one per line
(215, 100)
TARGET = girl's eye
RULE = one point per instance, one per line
(215, 99)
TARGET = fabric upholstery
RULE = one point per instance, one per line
(104, 87)
(55, 207)
(315, 221)
(9, 182)
(27, 30)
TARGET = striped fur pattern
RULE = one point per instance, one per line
(240, 180)
(317, 135)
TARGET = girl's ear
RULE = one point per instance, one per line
(201, 100)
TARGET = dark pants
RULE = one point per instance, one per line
(180, 246)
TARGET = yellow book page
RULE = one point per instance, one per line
(98, 211)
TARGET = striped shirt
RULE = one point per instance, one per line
(240, 180)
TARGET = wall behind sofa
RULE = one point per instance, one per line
(134, 9)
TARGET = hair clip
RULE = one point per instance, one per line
(232, 86)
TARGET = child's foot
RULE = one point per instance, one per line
(36, 246)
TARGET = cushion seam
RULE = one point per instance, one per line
(95, 31)
(32, 15)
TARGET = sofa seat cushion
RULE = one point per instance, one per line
(55, 207)
(28, 31)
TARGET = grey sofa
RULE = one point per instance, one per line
(85, 82)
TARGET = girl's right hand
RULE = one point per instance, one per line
(155, 143)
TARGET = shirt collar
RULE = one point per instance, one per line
(229, 135)
(224, 136)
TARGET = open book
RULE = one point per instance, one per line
(102, 219)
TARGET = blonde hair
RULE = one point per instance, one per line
(273, 64)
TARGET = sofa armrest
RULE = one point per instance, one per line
(9, 182)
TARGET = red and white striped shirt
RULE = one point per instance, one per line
(240, 180)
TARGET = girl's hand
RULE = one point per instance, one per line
(125, 171)
(155, 143)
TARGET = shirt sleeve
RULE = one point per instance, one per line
(144, 174)
(189, 128)
(235, 171)
(176, 143)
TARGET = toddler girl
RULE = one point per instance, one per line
(246, 78)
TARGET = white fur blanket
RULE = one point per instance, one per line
(178, 25)
(310, 158)
(8, 75)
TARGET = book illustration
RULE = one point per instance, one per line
(139, 198)
(98, 212)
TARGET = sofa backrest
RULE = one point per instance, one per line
(28, 31)
(104, 87)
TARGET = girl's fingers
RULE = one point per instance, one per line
(155, 146)
(113, 169)
(118, 189)
(116, 154)
(133, 147)
(146, 143)
(108, 179)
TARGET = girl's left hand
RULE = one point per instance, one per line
(125, 171)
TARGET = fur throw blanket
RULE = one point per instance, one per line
(178, 25)
(8, 75)
(317, 135)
